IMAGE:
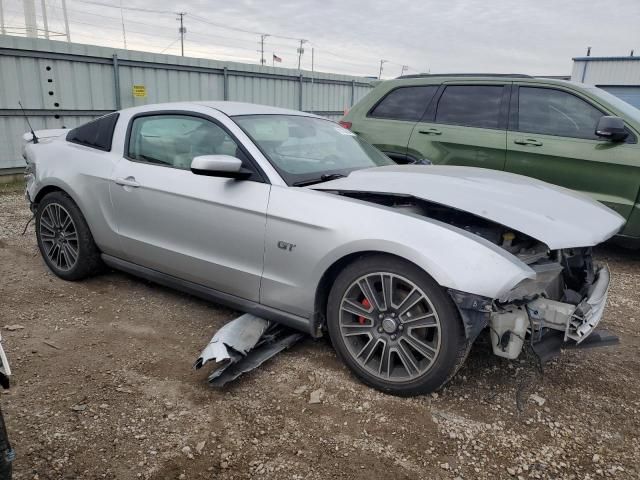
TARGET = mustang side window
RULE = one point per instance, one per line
(174, 140)
(554, 112)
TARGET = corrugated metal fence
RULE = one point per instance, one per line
(65, 84)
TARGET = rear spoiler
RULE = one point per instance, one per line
(46, 135)
(42, 134)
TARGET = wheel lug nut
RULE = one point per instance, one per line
(379, 329)
(380, 316)
(393, 315)
(400, 327)
(393, 337)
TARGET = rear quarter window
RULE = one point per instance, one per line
(404, 103)
(95, 134)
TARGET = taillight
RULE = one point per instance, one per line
(346, 125)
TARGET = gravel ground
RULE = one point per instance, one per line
(103, 388)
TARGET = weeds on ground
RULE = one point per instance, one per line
(12, 187)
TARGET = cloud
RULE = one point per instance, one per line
(351, 36)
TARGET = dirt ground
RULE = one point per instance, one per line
(103, 388)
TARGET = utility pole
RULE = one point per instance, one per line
(300, 51)
(382, 62)
(2, 29)
(182, 31)
(404, 69)
(124, 33)
(312, 59)
(66, 20)
(262, 37)
(45, 21)
(588, 51)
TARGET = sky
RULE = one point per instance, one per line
(537, 37)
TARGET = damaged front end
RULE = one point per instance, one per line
(560, 306)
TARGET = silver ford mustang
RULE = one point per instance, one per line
(293, 218)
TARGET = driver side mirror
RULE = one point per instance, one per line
(224, 166)
(611, 128)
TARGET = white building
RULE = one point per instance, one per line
(617, 75)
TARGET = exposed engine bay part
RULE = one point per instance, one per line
(242, 345)
(527, 249)
(508, 331)
(537, 317)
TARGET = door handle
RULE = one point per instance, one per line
(528, 141)
(127, 182)
(430, 131)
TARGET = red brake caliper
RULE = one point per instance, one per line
(366, 304)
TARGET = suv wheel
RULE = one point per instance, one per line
(394, 326)
(64, 238)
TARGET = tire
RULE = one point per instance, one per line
(64, 238)
(413, 344)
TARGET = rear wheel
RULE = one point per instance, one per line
(64, 238)
(394, 326)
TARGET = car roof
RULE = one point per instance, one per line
(428, 79)
(228, 108)
(242, 108)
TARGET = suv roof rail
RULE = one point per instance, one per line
(500, 75)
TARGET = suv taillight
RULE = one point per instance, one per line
(346, 125)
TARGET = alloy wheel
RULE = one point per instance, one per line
(389, 326)
(59, 236)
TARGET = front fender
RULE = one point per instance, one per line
(325, 228)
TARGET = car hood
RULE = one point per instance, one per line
(554, 215)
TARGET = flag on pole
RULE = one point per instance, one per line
(277, 58)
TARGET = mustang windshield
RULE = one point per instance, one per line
(308, 150)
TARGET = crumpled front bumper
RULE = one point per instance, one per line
(544, 319)
(577, 321)
(590, 311)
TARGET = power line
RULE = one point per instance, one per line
(136, 9)
(339, 58)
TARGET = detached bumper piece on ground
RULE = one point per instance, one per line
(242, 345)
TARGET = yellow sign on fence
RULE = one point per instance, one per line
(139, 91)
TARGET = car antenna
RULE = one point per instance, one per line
(35, 138)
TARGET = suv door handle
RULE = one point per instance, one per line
(430, 131)
(127, 182)
(528, 141)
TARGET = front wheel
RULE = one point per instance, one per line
(394, 326)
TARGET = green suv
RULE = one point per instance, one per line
(566, 133)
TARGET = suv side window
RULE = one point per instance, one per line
(553, 112)
(404, 103)
(470, 106)
(174, 140)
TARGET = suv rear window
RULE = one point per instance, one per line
(470, 106)
(404, 103)
(96, 134)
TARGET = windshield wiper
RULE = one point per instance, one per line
(323, 178)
